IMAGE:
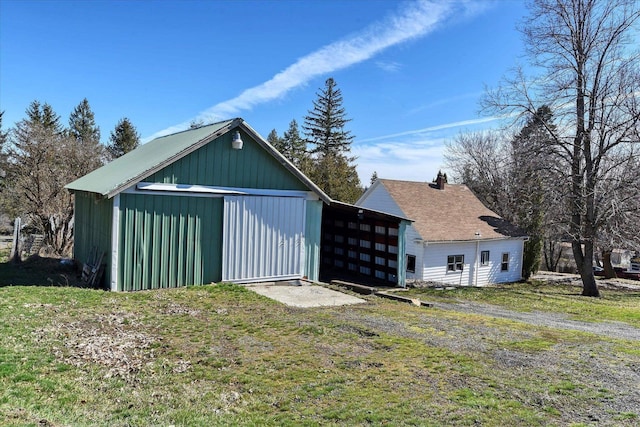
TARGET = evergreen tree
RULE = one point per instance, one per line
(124, 138)
(276, 141)
(295, 147)
(43, 115)
(330, 167)
(531, 185)
(325, 124)
(82, 124)
(374, 177)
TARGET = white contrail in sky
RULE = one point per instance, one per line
(414, 20)
(434, 128)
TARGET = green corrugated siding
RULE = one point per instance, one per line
(313, 223)
(92, 227)
(218, 164)
(169, 241)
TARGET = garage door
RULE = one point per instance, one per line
(263, 238)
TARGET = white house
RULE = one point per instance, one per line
(454, 239)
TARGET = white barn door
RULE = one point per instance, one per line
(262, 238)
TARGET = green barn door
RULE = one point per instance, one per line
(169, 241)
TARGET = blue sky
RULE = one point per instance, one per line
(411, 72)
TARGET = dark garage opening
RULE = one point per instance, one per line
(360, 246)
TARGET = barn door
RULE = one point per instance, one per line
(263, 238)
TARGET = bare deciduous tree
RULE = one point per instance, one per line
(590, 78)
(41, 160)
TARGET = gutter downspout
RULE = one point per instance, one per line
(476, 265)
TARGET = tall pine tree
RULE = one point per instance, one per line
(82, 124)
(43, 114)
(295, 147)
(529, 187)
(325, 124)
(124, 138)
(332, 167)
(276, 141)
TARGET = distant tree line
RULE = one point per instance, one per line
(39, 156)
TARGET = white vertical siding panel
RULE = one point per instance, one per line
(263, 238)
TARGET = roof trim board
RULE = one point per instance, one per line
(186, 189)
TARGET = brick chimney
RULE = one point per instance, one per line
(441, 180)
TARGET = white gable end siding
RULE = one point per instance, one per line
(434, 267)
(380, 200)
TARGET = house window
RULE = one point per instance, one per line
(505, 262)
(411, 263)
(455, 262)
(484, 258)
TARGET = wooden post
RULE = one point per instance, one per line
(15, 246)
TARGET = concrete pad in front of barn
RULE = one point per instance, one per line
(303, 294)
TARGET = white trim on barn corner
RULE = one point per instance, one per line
(115, 232)
(212, 191)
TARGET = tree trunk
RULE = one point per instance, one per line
(609, 272)
(552, 259)
(584, 262)
(15, 247)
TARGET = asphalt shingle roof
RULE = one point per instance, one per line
(452, 214)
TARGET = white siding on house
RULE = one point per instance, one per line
(434, 268)
(378, 199)
(413, 245)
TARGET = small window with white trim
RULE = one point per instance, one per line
(455, 262)
(484, 258)
(504, 266)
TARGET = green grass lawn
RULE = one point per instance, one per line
(223, 355)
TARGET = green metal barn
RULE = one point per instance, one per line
(215, 203)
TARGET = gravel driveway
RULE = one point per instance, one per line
(552, 320)
(602, 381)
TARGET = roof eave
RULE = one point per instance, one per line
(480, 239)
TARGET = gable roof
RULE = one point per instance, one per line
(452, 214)
(153, 156)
